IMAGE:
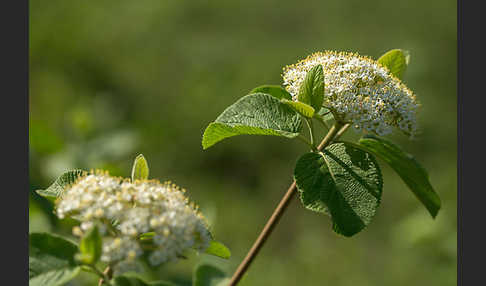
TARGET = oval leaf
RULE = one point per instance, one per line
(411, 172)
(396, 61)
(216, 248)
(311, 91)
(254, 114)
(90, 246)
(342, 181)
(274, 90)
(51, 260)
(140, 169)
(57, 188)
(302, 108)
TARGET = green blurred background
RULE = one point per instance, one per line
(112, 79)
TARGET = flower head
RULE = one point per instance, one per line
(359, 90)
(139, 207)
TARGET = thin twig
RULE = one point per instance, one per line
(277, 213)
(107, 274)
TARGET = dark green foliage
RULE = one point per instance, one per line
(51, 260)
(411, 172)
(343, 181)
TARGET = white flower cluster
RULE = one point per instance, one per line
(360, 91)
(139, 207)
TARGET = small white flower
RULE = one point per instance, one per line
(138, 207)
(360, 91)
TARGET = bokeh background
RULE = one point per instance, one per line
(112, 79)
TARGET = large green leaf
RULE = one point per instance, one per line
(396, 61)
(274, 90)
(51, 260)
(140, 169)
(302, 108)
(311, 91)
(342, 181)
(209, 275)
(133, 280)
(57, 188)
(216, 248)
(411, 172)
(254, 114)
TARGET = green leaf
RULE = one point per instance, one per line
(325, 113)
(90, 246)
(51, 260)
(302, 108)
(140, 169)
(57, 188)
(216, 248)
(274, 90)
(311, 91)
(209, 275)
(342, 181)
(411, 172)
(133, 280)
(254, 114)
(396, 61)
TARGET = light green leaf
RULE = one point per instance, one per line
(254, 114)
(411, 172)
(57, 188)
(325, 113)
(396, 61)
(209, 275)
(90, 246)
(51, 260)
(216, 248)
(311, 91)
(134, 280)
(342, 181)
(140, 169)
(302, 108)
(274, 90)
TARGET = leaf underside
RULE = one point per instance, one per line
(396, 61)
(405, 165)
(140, 169)
(57, 188)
